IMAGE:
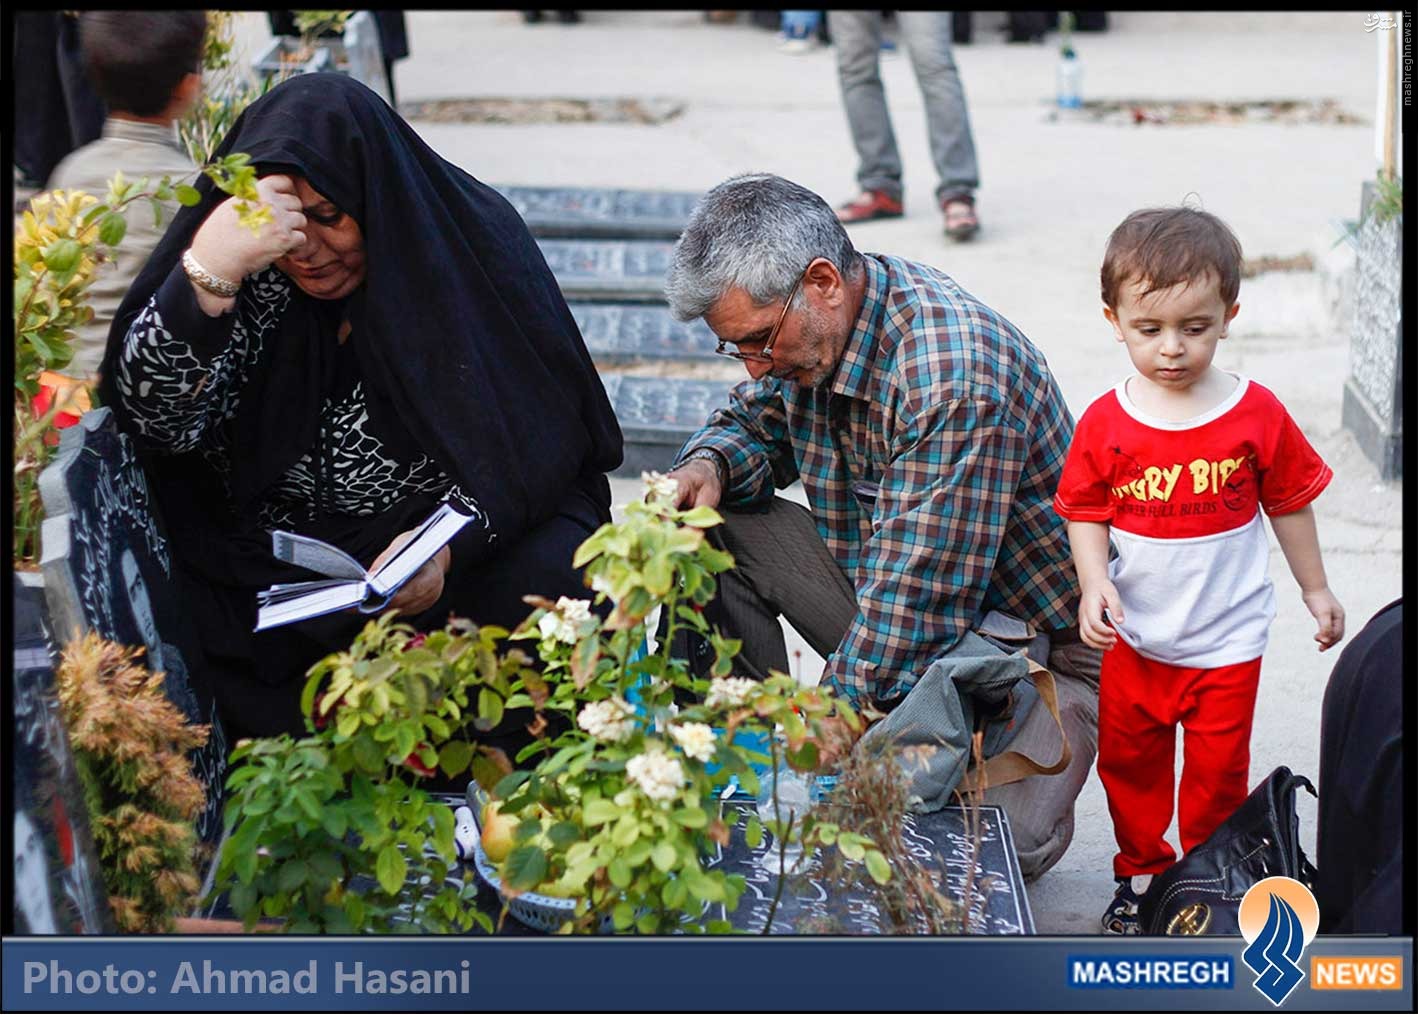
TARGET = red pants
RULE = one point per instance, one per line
(1140, 703)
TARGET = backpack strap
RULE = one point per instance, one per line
(1011, 766)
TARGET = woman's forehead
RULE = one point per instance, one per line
(308, 194)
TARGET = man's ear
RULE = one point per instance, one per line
(1112, 317)
(1230, 316)
(185, 95)
(823, 276)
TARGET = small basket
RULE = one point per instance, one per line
(545, 913)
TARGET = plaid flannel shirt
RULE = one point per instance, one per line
(951, 414)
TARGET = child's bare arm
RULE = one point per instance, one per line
(1301, 544)
(1088, 542)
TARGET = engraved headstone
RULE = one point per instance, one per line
(943, 844)
(618, 332)
(1373, 391)
(609, 269)
(657, 415)
(602, 212)
(107, 568)
(58, 886)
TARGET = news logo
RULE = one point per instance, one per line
(1278, 918)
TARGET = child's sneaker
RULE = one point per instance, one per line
(1121, 915)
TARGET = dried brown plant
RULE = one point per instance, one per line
(130, 747)
(871, 797)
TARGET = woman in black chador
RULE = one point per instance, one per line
(392, 339)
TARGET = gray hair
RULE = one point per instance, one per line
(756, 232)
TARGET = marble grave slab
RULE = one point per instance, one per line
(940, 841)
(657, 415)
(108, 568)
(609, 269)
(602, 212)
(626, 332)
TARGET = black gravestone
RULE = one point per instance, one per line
(940, 841)
(657, 415)
(602, 212)
(609, 269)
(58, 883)
(107, 569)
(622, 332)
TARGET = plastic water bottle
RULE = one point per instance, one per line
(794, 801)
(1069, 80)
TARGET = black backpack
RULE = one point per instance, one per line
(1201, 893)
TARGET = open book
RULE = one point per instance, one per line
(349, 583)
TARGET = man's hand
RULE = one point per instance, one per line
(698, 484)
(1092, 628)
(1328, 614)
(424, 588)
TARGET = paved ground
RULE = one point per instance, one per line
(1051, 193)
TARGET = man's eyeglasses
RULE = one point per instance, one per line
(764, 355)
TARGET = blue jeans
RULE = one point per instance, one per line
(800, 24)
(927, 37)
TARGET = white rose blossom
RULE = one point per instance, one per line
(660, 487)
(560, 622)
(611, 720)
(657, 774)
(730, 691)
(696, 739)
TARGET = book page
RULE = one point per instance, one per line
(326, 598)
(440, 527)
(308, 552)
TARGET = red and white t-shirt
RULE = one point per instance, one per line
(1183, 500)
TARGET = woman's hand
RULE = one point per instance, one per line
(230, 250)
(426, 586)
(1092, 627)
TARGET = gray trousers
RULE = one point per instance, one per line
(783, 568)
(856, 36)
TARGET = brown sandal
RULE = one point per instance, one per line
(960, 220)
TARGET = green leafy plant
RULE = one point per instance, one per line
(313, 24)
(332, 832)
(621, 807)
(226, 91)
(130, 748)
(61, 241)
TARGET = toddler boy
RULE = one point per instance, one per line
(1175, 464)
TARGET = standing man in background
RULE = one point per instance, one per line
(927, 36)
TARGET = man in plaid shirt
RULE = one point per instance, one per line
(928, 434)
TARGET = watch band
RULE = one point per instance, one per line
(721, 468)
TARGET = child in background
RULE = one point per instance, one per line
(1176, 464)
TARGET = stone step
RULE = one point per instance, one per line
(629, 270)
(630, 332)
(657, 415)
(601, 212)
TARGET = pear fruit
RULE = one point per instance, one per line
(497, 832)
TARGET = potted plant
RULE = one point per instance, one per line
(317, 48)
(346, 42)
(618, 808)
(333, 832)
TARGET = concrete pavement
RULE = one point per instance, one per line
(1051, 192)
